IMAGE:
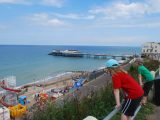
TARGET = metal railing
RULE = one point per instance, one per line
(115, 111)
(157, 72)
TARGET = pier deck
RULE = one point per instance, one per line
(89, 55)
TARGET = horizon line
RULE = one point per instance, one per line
(69, 45)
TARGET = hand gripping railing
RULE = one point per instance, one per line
(115, 111)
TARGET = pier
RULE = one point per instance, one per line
(106, 56)
(75, 53)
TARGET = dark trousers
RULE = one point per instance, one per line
(147, 87)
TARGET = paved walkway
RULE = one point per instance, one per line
(156, 115)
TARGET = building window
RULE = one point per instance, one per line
(144, 51)
(155, 46)
(145, 46)
(155, 50)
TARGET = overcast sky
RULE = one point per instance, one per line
(79, 22)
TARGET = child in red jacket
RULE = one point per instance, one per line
(132, 90)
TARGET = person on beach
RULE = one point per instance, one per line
(36, 97)
(145, 74)
(133, 92)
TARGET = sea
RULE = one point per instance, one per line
(30, 63)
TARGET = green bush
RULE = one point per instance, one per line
(142, 114)
(97, 104)
(152, 64)
(148, 63)
(145, 110)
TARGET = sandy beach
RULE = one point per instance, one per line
(60, 82)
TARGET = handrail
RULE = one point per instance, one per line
(157, 71)
(115, 111)
(136, 112)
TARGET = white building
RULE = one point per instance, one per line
(152, 50)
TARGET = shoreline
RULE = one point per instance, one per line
(60, 82)
(56, 83)
(47, 81)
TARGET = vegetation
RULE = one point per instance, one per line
(97, 104)
(133, 71)
(142, 114)
(145, 111)
(152, 65)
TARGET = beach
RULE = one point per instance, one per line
(61, 82)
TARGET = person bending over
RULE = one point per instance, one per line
(133, 92)
(145, 74)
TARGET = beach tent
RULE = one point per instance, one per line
(79, 82)
(22, 100)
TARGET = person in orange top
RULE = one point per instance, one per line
(133, 92)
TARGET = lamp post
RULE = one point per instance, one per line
(34, 83)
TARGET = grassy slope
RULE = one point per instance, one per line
(97, 104)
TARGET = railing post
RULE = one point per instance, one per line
(159, 70)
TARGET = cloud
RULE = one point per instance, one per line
(124, 40)
(153, 6)
(141, 25)
(44, 19)
(155, 24)
(56, 3)
(119, 40)
(75, 16)
(57, 20)
(14, 1)
(120, 10)
(127, 15)
(127, 10)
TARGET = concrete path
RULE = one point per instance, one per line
(156, 115)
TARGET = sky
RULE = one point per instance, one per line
(79, 22)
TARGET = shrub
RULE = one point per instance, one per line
(97, 104)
